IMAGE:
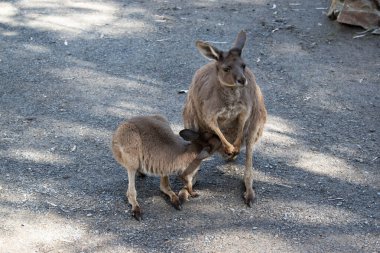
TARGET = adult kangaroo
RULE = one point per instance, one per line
(224, 99)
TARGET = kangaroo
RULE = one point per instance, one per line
(147, 145)
(224, 99)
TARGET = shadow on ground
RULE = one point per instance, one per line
(70, 72)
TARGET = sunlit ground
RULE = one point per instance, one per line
(71, 20)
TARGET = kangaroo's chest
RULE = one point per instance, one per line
(229, 113)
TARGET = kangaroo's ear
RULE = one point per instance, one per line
(189, 135)
(208, 51)
(240, 40)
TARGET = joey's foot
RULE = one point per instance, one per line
(183, 195)
(136, 213)
(194, 194)
(249, 197)
(176, 202)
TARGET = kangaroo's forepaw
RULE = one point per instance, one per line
(229, 150)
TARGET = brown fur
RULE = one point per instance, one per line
(148, 145)
(224, 99)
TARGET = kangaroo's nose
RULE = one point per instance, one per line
(242, 80)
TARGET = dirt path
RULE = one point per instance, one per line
(70, 71)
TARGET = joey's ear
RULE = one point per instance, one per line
(240, 40)
(208, 51)
(189, 135)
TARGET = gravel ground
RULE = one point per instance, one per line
(71, 71)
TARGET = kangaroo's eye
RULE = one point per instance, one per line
(243, 66)
(226, 69)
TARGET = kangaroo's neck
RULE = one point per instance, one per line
(190, 152)
(229, 95)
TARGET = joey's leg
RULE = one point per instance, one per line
(165, 188)
(132, 195)
(189, 178)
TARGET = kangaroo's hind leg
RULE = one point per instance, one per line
(165, 188)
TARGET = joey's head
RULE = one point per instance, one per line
(230, 66)
(207, 143)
